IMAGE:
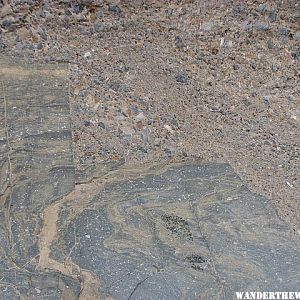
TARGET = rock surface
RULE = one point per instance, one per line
(188, 230)
(36, 170)
(217, 80)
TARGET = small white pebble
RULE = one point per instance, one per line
(87, 54)
(289, 184)
(169, 128)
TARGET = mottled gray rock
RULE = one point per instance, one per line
(261, 8)
(261, 26)
(181, 78)
(273, 16)
(283, 31)
(114, 8)
(297, 36)
(179, 42)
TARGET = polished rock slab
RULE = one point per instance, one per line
(189, 230)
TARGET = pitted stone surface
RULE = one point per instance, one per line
(170, 231)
